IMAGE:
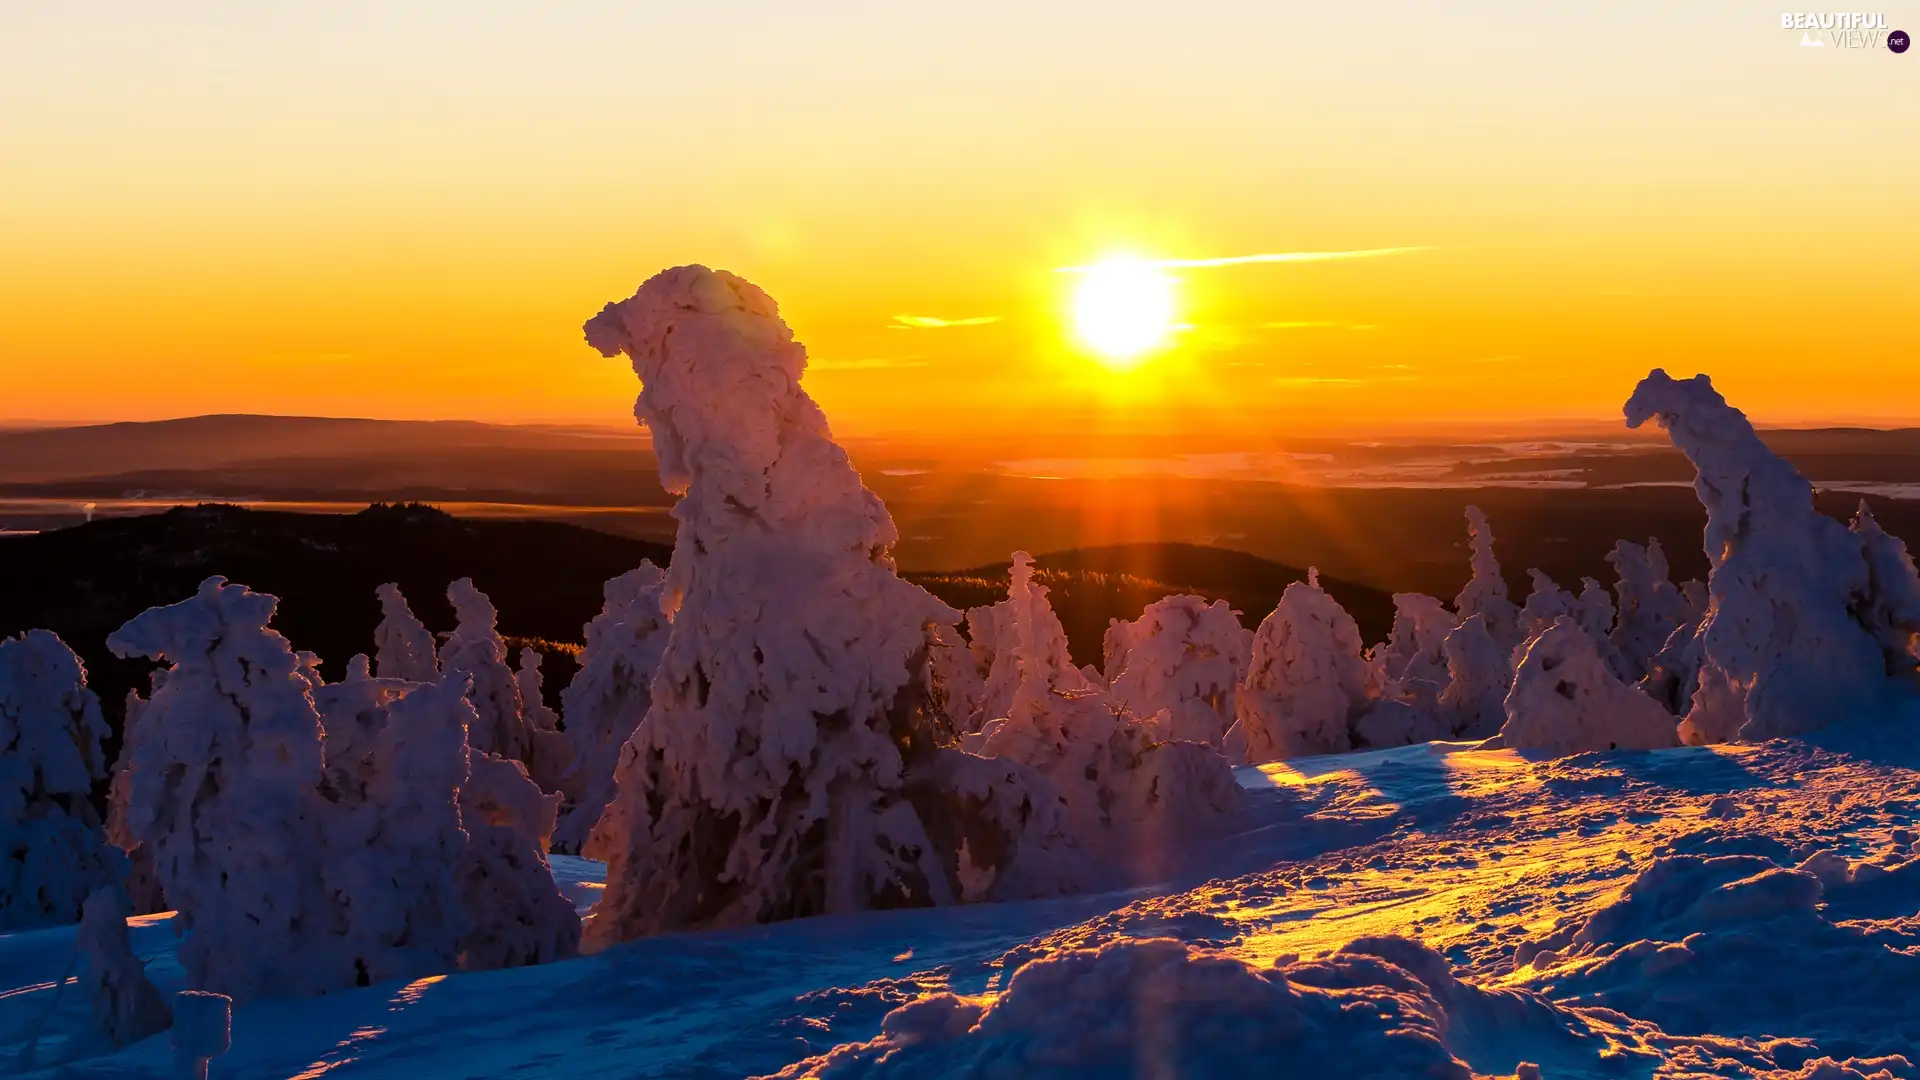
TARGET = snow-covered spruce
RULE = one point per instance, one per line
(1783, 645)
(1182, 655)
(1473, 704)
(610, 694)
(1124, 791)
(1650, 607)
(1412, 662)
(403, 647)
(296, 874)
(515, 914)
(1565, 699)
(1891, 607)
(1306, 680)
(770, 777)
(475, 647)
(1485, 593)
(127, 1007)
(226, 763)
(53, 850)
(549, 752)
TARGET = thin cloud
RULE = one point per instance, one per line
(868, 363)
(929, 322)
(1318, 380)
(1318, 325)
(1266, 257)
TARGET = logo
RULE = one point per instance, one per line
(1844, 30)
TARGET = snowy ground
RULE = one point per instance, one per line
(1719, 961)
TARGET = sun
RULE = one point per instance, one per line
(1123, 309)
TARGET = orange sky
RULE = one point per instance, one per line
(407, 210)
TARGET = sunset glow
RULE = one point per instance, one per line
(426, 190)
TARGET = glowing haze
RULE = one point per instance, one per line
(1365, 215)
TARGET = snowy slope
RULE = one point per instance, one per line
(1659, 884)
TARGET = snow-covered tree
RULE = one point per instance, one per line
(126, 1005)
(53, 851)
(304, 859)
(1413, 656)
(1307, 679)
(475, 647)
(956, 682)
(1891, 606)
(403, 647)
(550, 753)
(1650, 606)
(1485, 593)
(1185, 656)
(393, 829)
(1784, 649)
(225, 767)
(1472, 706)
(1565, 699)
(770, 776)
(610, 693)
(142, 881)
(1123, 789)
(515, 914)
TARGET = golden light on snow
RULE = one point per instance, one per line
(1123, 308)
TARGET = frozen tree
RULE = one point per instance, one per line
(1485, 594)
(610, 692)
(305, 858)
(1594, 610)
(1185, 656)
(1002, 655)
(476, 648)
(142, 881)
(1565, 699)
(53, 850)
(225, 763)
(769, 777)
(126, 1004)
(1650, 606)
(1413, 655)
(394, 832)
(1306, 680)
(550, 753)
(1121, 788)
(955, 681)
(1478, 676)
(515, 913)
(403, 647)
(1546, 603)
(1891, 605)
(1782, 648)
